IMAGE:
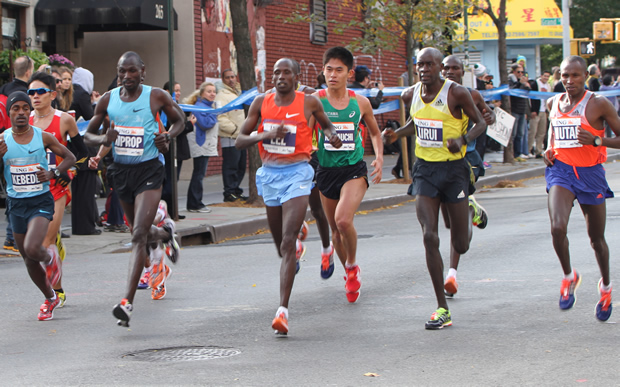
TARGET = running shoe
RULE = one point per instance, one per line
(10, 245)
(568, 290)
(327, 263)
(62, 296)
(353, 283)
(144, 281)
(604, 306)
(122, 312)
(300, 251)
(280, 324)
(439, 319)
(159, 274)
(480, 217)
(62, 253)
(159, 292)
(52, 268)
(450, 287)
(172, 247)
(204, 210)
(303, 232)
(46, 312)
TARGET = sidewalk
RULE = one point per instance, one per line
(231, 222)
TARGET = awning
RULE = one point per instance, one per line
(104, 15)
(527, 19)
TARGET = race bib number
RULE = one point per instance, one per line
(51, 160)
(130, 141)
(346, 134)
(565, 132)
(24, 178)
(429, 133)
(281, 146)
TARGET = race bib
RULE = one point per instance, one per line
(51, 160)
(429, 133)
(130, 141)
(565, 132)
(281, 146)
(346, 134)
(24, 178)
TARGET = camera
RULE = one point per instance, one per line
(376, 84)
(48, 69)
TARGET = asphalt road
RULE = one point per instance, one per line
(508, 329)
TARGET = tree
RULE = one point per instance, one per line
(247, 78)
(384, 25)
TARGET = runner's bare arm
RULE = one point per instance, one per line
(604, 111)
(245, 138)
(487, 113)
(92, 136)
(466, 103)
(318, 115)
(375, 137)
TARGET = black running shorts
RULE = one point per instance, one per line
(451, 181)
(22, 210)
(331, 180)
(130, 180)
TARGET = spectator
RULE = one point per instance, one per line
(480, 71)
(202, 144)
(233, 159)
(518, 105)
(321, 83)
(607, 85)
(65, 89)
(522, 61)
(538, 116)
(362, 81)
(23, 68)
(182, 147)
(83, 82)
(555, 70)
(592, 82)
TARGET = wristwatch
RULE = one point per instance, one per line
(598, 141)
(167, 135)
(56, 173)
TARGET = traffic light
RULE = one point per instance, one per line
(587, 48)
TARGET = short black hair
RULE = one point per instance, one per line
(607, 80)
(167, 86)
(576, 59)
(361, 72)
(44, 77)
(132, 54)
(340, 53)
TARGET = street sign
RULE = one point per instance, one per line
(587, 48)
(553, 21)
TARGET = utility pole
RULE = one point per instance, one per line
(565, 29)
(174, 208)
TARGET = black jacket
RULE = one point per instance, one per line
(374, 101)
(518, 105)
(81, 103)
(16, 85)
(534, 103)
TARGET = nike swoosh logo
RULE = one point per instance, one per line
(135, 111)
(303, 186)
(45, 212)
(149, 183)
(31, 152)
(291, 115)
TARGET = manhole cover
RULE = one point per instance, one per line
(182, 354)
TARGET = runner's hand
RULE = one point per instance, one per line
(549, 157)
(335, 141)
(389, 136)
(110, 135)
(93, 162)
(280, 132)
(455, 144)
(162, 142)
(585, 137)
(3, 148)
(44, 175)
(489, 118)
(378, 171)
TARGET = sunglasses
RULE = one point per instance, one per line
(58, 80)
(39, 91)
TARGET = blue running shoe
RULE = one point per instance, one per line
(604, 306)
(567, 291)
(327, 263)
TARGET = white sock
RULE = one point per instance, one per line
(53, 298)
(282, 310)
(452, 273)
(604, 287)
(349, 266)
(570, 276)
(327, 250)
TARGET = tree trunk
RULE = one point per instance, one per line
(247, 79)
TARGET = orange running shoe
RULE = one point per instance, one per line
(450, 287)
(280, 324)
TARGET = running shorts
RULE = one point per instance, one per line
(331, 180)
(59, 191)
(281, 183)
(451, 181)
(130, 180)
(22, 210)
(477, 165)
(588, 184)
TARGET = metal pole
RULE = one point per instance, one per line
(404, 148)
(565, 29)
(466, 35)
(174, 208)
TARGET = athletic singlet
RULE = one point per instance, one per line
(136, 127)
(563, 132)
(347, 124)
(434, 124)
(297, 144)
(53, 129)
(21, 162)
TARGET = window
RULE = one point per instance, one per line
(318, 28)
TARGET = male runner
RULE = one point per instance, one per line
(42, 93)
(342, 174)
(453, 70)
(136, 174)
(574, 160)
(285, 179)
(30, 206)
(439, 112)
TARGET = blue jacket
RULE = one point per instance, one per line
(204, 121)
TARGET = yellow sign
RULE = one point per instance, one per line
(527, 19)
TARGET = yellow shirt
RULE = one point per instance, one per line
(435, 124)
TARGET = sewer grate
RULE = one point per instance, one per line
(181, 354)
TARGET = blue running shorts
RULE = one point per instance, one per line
(280, 183)
(22, 210)
(588, 184)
